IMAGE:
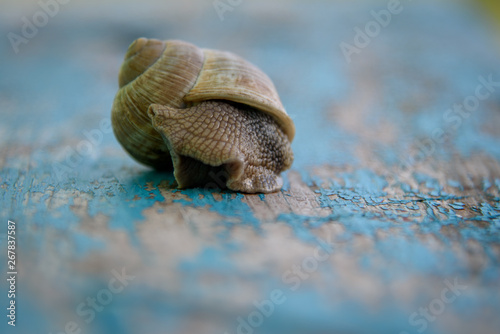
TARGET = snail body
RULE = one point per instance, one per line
(202, 111)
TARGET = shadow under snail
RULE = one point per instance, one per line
(202, 112)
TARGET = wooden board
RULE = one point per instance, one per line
(389, 218)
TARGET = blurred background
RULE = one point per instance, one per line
(365, 110)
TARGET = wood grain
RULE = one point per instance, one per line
(377, 217)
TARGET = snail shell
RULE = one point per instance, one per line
(202, 112)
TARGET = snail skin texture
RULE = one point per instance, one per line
(210, 115)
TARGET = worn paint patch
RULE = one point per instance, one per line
(397, 233)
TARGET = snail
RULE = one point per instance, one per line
(203, 113)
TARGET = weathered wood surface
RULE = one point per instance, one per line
(379, 214)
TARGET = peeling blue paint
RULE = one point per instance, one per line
(227, 207)
(314, 83)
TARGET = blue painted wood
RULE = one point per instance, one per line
(384, 225)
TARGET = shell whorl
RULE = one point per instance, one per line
(153, 72)
(141, 54)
